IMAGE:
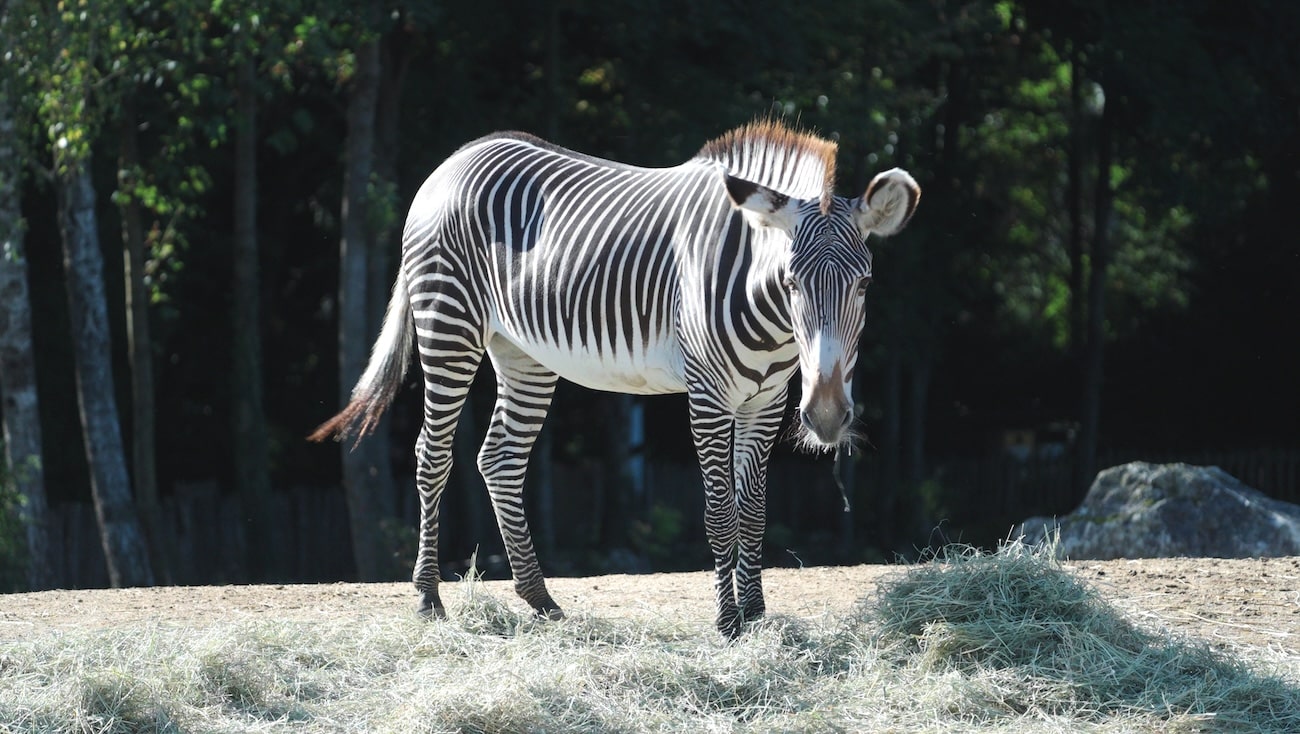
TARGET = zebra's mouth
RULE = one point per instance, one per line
(808, 439)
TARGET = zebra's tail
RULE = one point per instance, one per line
(389, 359)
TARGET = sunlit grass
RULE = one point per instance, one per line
(988, 643)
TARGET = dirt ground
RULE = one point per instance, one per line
(1231, 603)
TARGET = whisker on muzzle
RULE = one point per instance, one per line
(805, 441)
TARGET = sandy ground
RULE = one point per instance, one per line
(1231, 603)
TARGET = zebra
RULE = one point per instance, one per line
(718, 278)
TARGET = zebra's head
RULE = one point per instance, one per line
(825, 279)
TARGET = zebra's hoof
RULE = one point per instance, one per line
(753, 611)
(542, 603)
(730, 623)
(431, 607)
(428, 613)
(552, 613)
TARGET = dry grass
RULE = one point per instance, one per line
(986, 643)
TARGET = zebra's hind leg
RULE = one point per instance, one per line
(524, 391)
(757, 427)
(449, 369)
(433, 463)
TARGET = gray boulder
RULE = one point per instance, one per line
(1142, 510)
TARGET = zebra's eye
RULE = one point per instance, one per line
(862, 286)
(790, 285)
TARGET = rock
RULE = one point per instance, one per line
(1142, 510)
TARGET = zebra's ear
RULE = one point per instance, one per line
(888, 203)
(761, 206)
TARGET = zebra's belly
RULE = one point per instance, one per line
(655, 370)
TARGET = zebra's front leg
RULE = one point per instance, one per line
(757, 426)
(524, 391)
(712, 425)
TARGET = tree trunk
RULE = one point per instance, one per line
(394, 61)
(140, 350)
(1074, 207)
(354, 337)
(83, 262)
(251, 463)
(1098, 265)
(18, 403)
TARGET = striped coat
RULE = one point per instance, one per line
(719, 278)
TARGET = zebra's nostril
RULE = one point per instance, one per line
(826, 424)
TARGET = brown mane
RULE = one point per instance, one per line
(785, 158)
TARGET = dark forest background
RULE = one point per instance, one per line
(1103, 266)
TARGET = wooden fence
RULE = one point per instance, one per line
(972, 500)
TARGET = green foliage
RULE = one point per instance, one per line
(658, 535)
(974, 99)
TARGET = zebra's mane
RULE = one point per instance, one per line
(769, 153)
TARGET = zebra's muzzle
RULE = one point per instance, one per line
(825, 425)
(826, 412)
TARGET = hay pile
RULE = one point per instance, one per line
(1064, 651)
(969, 642)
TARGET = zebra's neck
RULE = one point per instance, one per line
(767, 297)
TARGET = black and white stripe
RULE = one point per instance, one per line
(718, 278)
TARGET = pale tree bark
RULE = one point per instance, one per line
(251, 463)
(354, 338)
(140, 350)
(18, 401)
(83, 263)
